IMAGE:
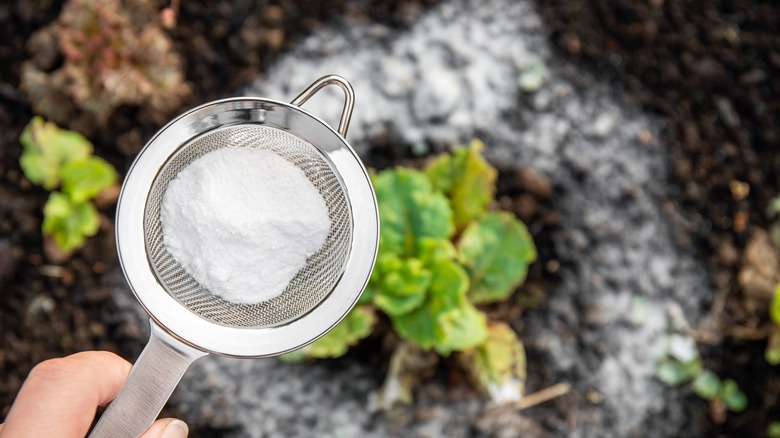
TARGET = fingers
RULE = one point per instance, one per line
(167, 428)
(60, 396)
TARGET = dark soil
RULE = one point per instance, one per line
(713, 70)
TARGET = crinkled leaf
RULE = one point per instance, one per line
(432, 250)
(467, 179)
(84, 179)
(447, 321)
(68, 222)
(418, 326)
(497, 367)
(459, 328)
(357, 325)
(707, 385)
(47, 148)
(735, 400)
(772, 352)
(402, 284)
(410, 209)
(496, 250)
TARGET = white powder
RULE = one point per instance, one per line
(242, 222)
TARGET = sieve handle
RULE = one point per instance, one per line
(151, 381)
(349, 97)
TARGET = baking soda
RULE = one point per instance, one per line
(242, 222)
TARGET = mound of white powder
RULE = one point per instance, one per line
(243, 222)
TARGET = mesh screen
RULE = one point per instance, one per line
(313, 282)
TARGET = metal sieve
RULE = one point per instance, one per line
(188, 321)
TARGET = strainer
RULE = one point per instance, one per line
(188, 321)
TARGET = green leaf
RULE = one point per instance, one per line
(84, 179)
(772, 353)
(774, 310)
(358, 324)
(774, 207)
(496, 250)
(47, 148)
(467, 179)
(447, 321)
(410, 210)
(418, 326)
(445, 293)
(675, 373)
(773, 430)
(707, 385)
(402, 284)
(433, 250)
(460, 327)
(497, 367)
(68, 222)
(735, 400)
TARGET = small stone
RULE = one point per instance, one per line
(535, 183)
(645, 137)
(739, 190)
(572, 43)
(740, 221)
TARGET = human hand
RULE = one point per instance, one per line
(60, 397)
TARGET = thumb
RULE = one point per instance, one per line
(167, 428)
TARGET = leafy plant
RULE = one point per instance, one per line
(684, 366)
(114, 53)
(53, 158)
(773, 345)
(442, 251)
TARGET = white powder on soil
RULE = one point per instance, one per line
(243, 222)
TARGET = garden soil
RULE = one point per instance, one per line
(622, 163)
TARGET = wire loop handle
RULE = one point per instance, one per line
(349, 98)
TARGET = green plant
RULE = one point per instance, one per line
(53, 158)
(680, 366)
(443, 251)
(773, 430)
(772, 353)
(114, 53)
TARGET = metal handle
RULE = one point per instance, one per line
(349, 98)
(152, 380)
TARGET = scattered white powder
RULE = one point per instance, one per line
(243, 222)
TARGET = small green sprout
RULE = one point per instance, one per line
(676, 369)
